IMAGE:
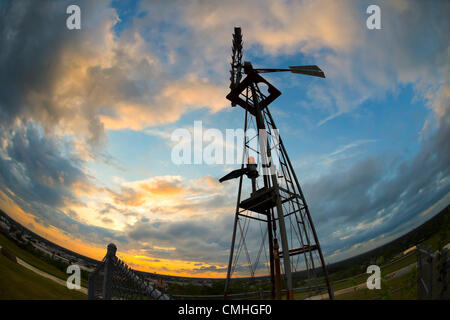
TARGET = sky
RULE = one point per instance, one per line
(86, 118)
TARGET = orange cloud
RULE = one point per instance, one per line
(133, 257)
(176, 98)
(280, 26)
(50, 233)
(162, 188)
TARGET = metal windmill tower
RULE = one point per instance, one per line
(271, 210)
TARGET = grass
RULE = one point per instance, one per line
(397, 285)
(17, 283)
(361, 278)
(400, 288)
(35, 261)
(400, 264)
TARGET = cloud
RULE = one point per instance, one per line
(406, 51)
(34, 169)
(42, 180)
(40, 61)
(381, 194)
(168, 197)
(109, 79)
(62, 90)
(175, 99)
(361, 65)
(81, 83)
(277, 26)
(201, 239)
(355, 208)
(155, 189)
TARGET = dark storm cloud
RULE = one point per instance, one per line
(33, 37)
(33, 168)
(388, 193)
(346, 192)
(200, 239)
(30, 45)
(216, 201)
(39, 178)
(211, 268)
(38, 169)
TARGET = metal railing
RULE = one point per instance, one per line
(432, 278)
(114, 280)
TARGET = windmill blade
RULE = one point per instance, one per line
(309, 70)
(234, 174)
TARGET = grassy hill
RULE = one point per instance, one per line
(17, 282)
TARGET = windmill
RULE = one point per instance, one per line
(274, 200)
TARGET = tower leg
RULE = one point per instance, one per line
(316, 239)
(277, 270)
(284, 242)
(230, 261)
(236, 218)
(266, 155)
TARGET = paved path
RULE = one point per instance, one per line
(46, 275)
(391, 275)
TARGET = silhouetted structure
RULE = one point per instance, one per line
(275, 205)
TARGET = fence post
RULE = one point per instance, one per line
(332, 290)
(422, 287)
(109, 259)
(430, 272)
(261, 293)
(419, 272)
(91, 287)
(443, 273)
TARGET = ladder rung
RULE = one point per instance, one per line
(303, 249)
